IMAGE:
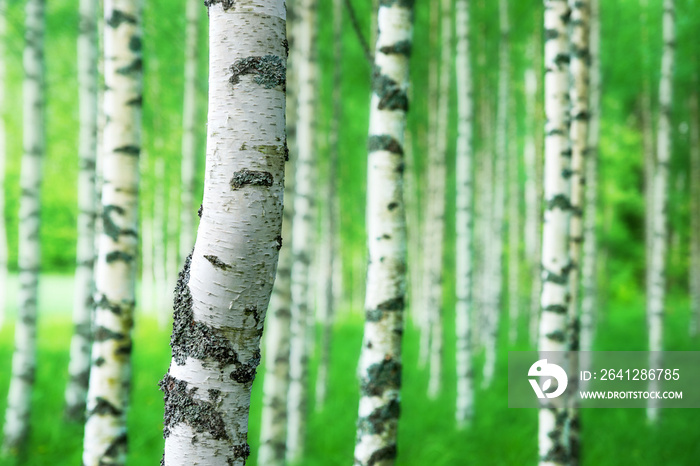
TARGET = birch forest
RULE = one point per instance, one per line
(313, 232)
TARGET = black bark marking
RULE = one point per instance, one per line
(182, 406)
(136, 102)
(241, 451)
(100, 361)
(279, 242)
(556, 308)
(559, 201)
(216, 262)
(195, 339)
(269, 70)
(252, 178)
(105, 303)
(102, 407)
(104, 334)
(135, 44)
(373, 315)
(382, 376)
(391, 95)
(227, 4)
(392, 205)
(117, 448)
(119, 17)
(402, 47)
(401, 3)
(394, 304)
(557, 336)
(115, 256)
(245, 372)
(109, 227)
(384, 142)
(136, 66)
(200, 211)
(386, 453)
(376, 422)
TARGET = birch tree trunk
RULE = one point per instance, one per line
(224, 288)
(3, 151)
(158, 226)
(495, 297)
(28, 257)
(514, 231)
(532, 198)
(694, 214)
(302, 226)
(105, 440)
(589, 261)
(189, 151)
(435, 218)
(79, 366)
(656, 294)
(464, 218)
(555, 231)
(380, 357)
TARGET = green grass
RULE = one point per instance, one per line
(498, 436)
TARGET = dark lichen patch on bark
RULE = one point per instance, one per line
(129, 150)
(99, 361)
(245, 372)
(392, 205)
(182, 406)
(195, 339)
(136, 66)
(252, 178)
(216, 262)
(104, 303)
(385, 142)
(227, 4)
(241, 451)
(200, 211)
(373, 315)
(116, 256)
(119, 17)
(560, 201)
(117, 448)
(109, 226)
(391, 95)
(382, 376)
(278, 240)
(394, 304)
(383, 454)
(135, 44)
(104, 407)
(402, 47)
(104, 334)
(377, 422)
(269, 70)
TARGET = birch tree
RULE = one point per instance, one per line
(656, 294)
(3, 150)
(29, 261)
(694, 275)
(589, 262)
(495, 296)
(105, 440)
(514, 231)
(380, 357)
(224, 288)
(555, 231)
(189, 152)
(79, 366)
(302, 225)
(464, 217)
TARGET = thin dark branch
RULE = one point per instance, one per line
(358, 32)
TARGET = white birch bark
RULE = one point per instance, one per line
(79, 366)
(435, 219)
(694, 275)
(302, 225)
(28, 257)
(589, 282)
(555, 231)
(224, 289)
(495, 296)
(380, 357)
(464, 217)
(189, 151)
(105, 440)
(3, 151)
(657, 291)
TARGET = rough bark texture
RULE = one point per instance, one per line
(380, 357)
(495, 295)
(435, 217)
(302, 246)
(464, 218)
(189, 151)
(589, 260)
(105, 440)
(694, 275)
(555, 232)
(657, 291)
(79, 367)
(29, 261)
(223, 291)
(3, 151)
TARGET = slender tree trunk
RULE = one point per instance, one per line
(694, 214)
(495, 297)
(189, 151)
(302, 226)
(224, 288)
(330, 221)
(589, 261)
(555, 231)
(105, 430)
(656, 294)
(158, 226)
(380, 358)
(3, 151)
(580, 114)
(464, 218)
(514, 231)
(148, 294)
(29, 260)
(172, 250)
(79, 367)
(532, 199)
